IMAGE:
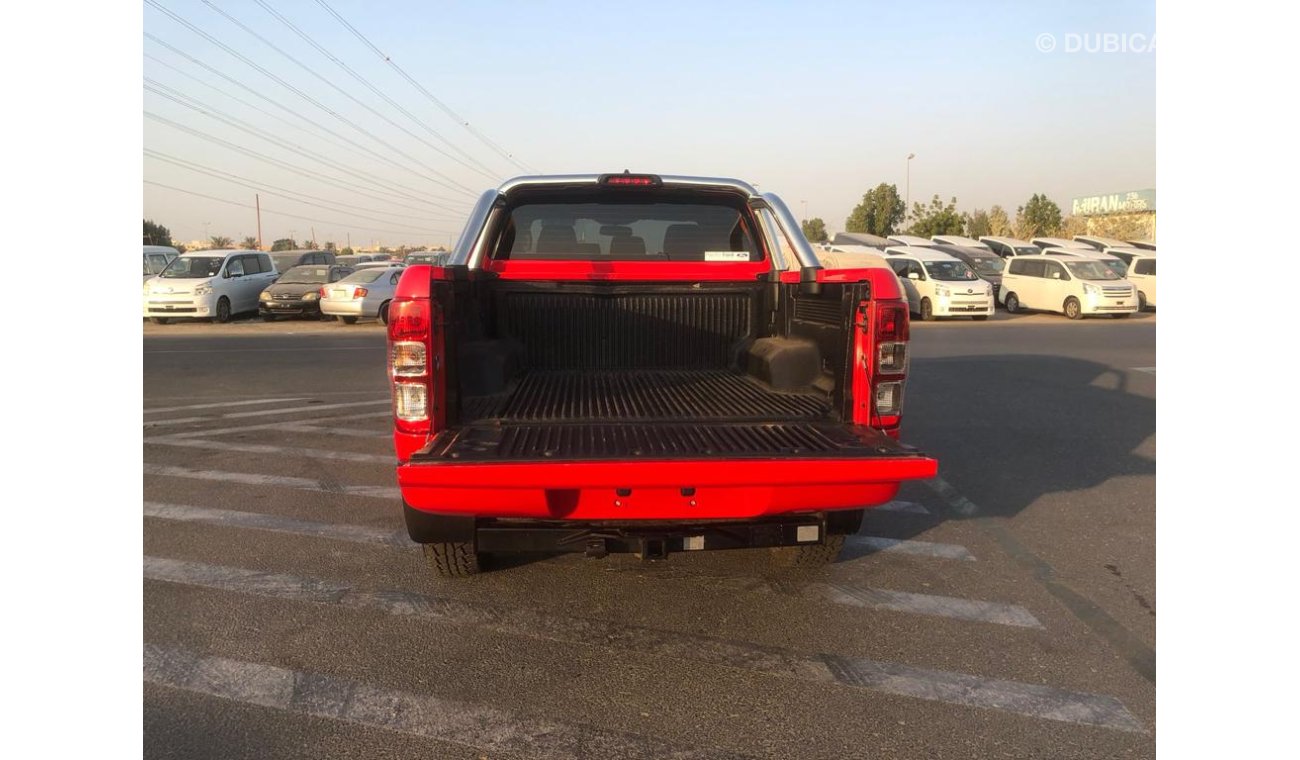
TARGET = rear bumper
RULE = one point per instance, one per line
(341, 308)
(661, 490)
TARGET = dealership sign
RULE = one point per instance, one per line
(1115, 203)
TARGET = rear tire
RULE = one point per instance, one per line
(810, 556)
(383, 312)
(1072, 308)
(1013, 303)
(927, 310)
(452, 560)
(349, 320)
(160, 320)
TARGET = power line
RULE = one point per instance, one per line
(356, 148)
(342, 91)
(287, 195)
(359, 190)
(194, 104)
(445, 108)
(282, 213)
(300, 93)
(325, 52)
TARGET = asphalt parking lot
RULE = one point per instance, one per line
(1006, 609)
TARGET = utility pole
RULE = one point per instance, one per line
(907, 205)
(349, 240)
(313, 236)
(257, 199)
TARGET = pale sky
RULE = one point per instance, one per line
(815, 101)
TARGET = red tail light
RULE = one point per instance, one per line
(359, 292)
(321, 292)
(413, 361)
(880, 357)
(631, 180)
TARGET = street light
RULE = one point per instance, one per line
(907, 204)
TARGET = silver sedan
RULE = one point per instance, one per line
(364, 293)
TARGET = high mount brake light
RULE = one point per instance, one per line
(631, 180)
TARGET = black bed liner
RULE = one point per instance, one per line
(668, 395)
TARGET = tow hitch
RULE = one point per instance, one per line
(650, 541)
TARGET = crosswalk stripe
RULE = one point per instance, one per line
(276, 425)
(889, 678)
(264, 413)
(276, 524)
(480, 727)
(907, 507)
(220, 404)
(974, 610)
(282, 481)
(263, 448)
(333, 431)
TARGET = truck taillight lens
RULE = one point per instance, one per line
(892, 357)
(889, 399)
(409, 359)
(411, 402)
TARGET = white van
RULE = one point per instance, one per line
(157, 257)
(939, 285)
(1071, 285)
(1114, 263)
(1141, 272)
(960, 240)
(910, 240)
(208, 285)
(1055, 242)
(1007, 247)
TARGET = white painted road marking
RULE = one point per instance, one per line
(923, 604)
(919, 548)
(1148, 370)
(276, 524)
(276, 425)
(303, 427)
(480, 727)
(216, 405)
(280, 481)
(889, 678)
(262, 448)
(264, 412)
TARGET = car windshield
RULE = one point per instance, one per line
(306, 274)
(364, 275)
(1092, 270)
(949, 271)
(983, 265)
(1116, 266)
(193, 267)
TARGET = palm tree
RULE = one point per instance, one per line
(220, 242)
(249, 243)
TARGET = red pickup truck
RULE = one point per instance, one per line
(643, 363)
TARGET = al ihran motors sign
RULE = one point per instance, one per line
(1115, 203)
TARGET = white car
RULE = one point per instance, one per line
(379, 264)
(959, 240)
(940, 285)
(1071, 285)
(1141, 272)
(911, 240)
(156, 259)
(1055, 242)
(1115, 263)
(1007, 247)
(364, 293)
(1097, 242)
(208, 285)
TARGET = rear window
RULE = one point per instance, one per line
(364, 275)
(628, 231)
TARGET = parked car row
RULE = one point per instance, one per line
(218, 285)
(991, 258)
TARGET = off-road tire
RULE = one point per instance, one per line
(1073, 309)
(349, 320)
(1012, 304)
(452, 560)
(810, 556)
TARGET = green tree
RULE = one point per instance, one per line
(936, 219)
(329, 246)
(815, 230)
(285, 244)
(309, 245)
(879, 213)
(1040, 216)
(999, 223)
(156, 234)
(249, 243)
(347, 251)
(977, 223)
(220, 242)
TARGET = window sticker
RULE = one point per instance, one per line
(726, 255)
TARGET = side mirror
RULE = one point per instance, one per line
(913, 276)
